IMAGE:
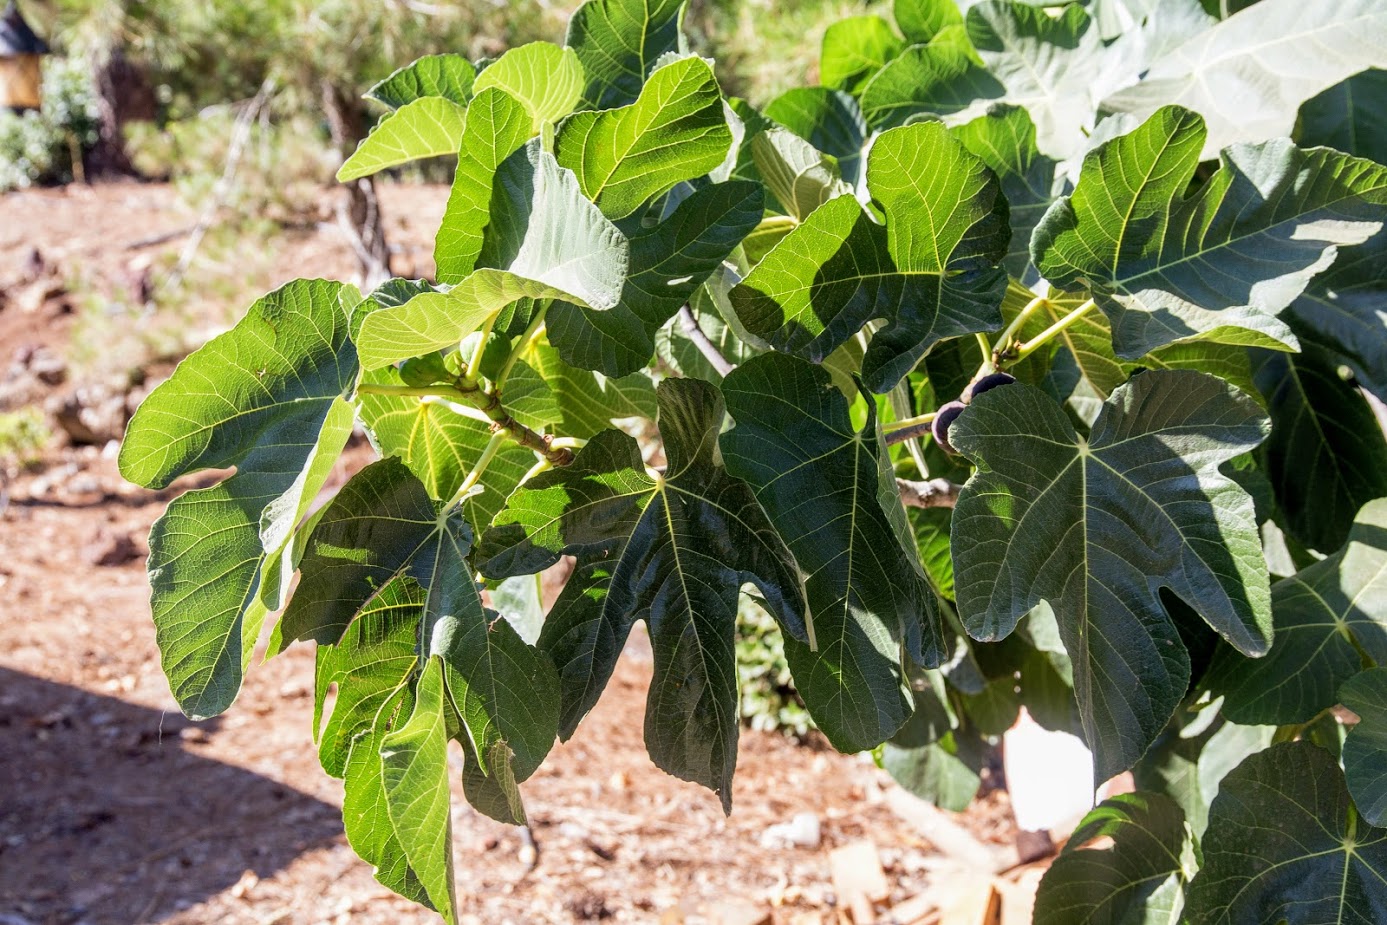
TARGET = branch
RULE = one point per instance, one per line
(689, 325)
(934, 493)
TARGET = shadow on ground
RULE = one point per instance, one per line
(107, 818)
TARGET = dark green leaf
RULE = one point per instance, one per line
(1348, 116)
(668, 262)
(1326, 455)
(1095, 527)
(1326, 617)
(840, 269)
(1005, 140)
(822, 483)
(1345, 309)
(1365, 749)
(1136, 879)
(679, 547)
(1219, 263)
(938, 79)
(933, 756)
(1285, 845)
(830, 120)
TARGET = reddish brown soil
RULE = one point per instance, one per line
(114, 810)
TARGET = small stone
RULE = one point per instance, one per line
(111, 551)
(194, 735)
(802, 831)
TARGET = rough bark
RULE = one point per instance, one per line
(123, 94)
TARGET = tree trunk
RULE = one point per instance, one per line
(123, 94)
(359, 209)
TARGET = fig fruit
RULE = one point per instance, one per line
(986, 384)
(942, 421)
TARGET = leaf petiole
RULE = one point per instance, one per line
(499, 436)
(1044, 337)
(535, 329)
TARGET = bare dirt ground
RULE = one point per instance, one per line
(115, 810)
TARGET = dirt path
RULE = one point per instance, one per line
(114, 810)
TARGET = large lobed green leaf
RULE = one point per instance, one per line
(674, 131)
(930, 277)
(1136, 879)
(1249, 73)
(668, 263)
(448, 76)
(1219, 263)
(618, 42)
(430, 126)
(672, 549)
(1285, 844)
(828, 489)
(1327, 617)
(1098, 526)
(383, 529)
(546, 79)
(1365, 748)
(265, 398)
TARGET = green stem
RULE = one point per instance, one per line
(1044, 337)
(499, 436)
(526, 339)
(488, 403)
(907, 428)
(474, 365)
(986, 346)
(1022, 317)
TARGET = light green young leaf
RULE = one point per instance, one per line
(591, 402)
(1325, 616)
(430, 126)
(1326, 456)
(922, 20)
(939, 79)
(1005, 140)
(820, 481)
(1248, 74)
(830, 120)
(1089, 343)
(1285, 844)
(415, 773)
(1097, 527)
(854, 49)
(546, 79)
(1217, 264)
(673, 550)
(447, 76)
(674, 131)
(800, 177)
(668, 263)
(1138, 879)
(840, 269)
(370, 665)
(439, 320)
(497, 126)
(440, 443)
(260, 398)
(618, 42)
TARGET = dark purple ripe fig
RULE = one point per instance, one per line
(942, 420)
(987, 383)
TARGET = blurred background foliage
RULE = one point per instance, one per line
(183, 68)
